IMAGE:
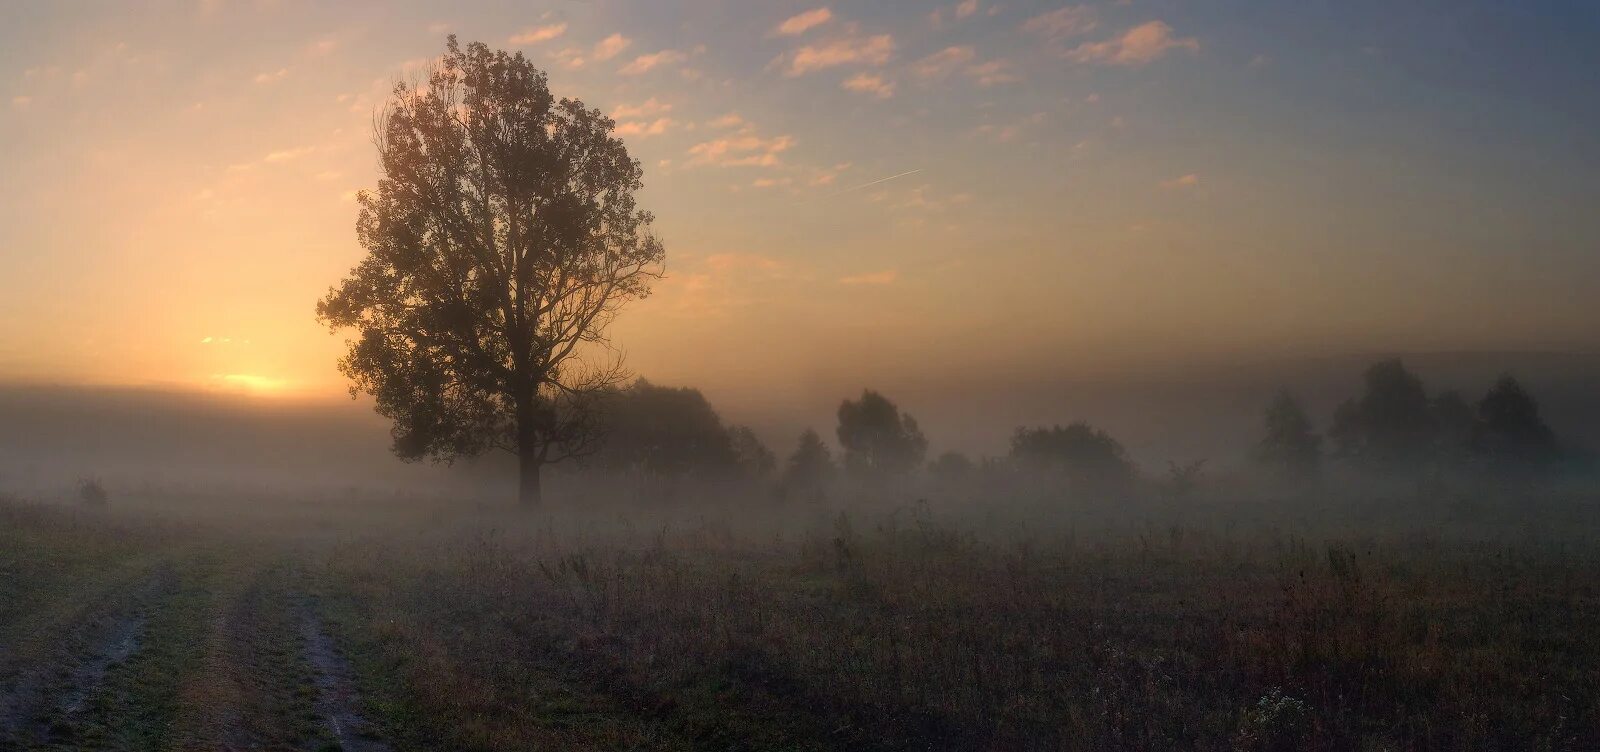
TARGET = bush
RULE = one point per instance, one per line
(92, 492)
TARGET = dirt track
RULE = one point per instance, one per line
(192, 654)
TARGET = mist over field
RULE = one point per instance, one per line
(54, 435)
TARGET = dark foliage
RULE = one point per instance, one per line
(501, 240)
(1087, 457)
(878, 440)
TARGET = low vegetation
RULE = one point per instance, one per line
(799, 625)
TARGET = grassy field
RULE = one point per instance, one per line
(331, 625)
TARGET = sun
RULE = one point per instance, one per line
(246, 383)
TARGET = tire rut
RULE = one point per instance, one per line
(45, 699)
(338, 699)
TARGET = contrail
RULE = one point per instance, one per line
(875, 182)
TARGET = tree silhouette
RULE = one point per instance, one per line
(878, 440)
(811, 467)
(1510, 434)
(501, 241)
(1089, 458)
(1290, 446)
(752, 456)
(1391, 427)
(666, 433)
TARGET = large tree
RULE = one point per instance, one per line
(502, 239)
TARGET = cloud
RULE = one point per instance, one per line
(730, 120)
(611, 46)
(742, 149)
(873, 50)
(329, 175)
(1183, 181)
(992, 73)
(272, 76)
(570, 58)
(537, 34)
(322, 47)
(770, 182)
(648, 108)
(885, 277)
(868, 83)
(966, 8)
(646, 63)
(285, 155)
(1061, 23)
(800, 24)
(275, 157)
(21, 101)
(826, 177)
(1141, 44)
(720, 282)
(641, 128)
(1009, 132)
(941, 63)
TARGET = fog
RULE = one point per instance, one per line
(51, 437)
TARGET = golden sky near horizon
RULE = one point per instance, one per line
(886, 192)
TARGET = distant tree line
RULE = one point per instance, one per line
(1393, 428)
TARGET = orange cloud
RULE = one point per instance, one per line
(537, 34)
(1062, 22)
(611, 46)
(1141, 44)
(1184, 181)
(873, 50)
(800, 24)
(641, 128)
(867, 83)
(647, 108)
(647, 63)
(941, 63)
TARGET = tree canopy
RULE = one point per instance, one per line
(1391, 426)
(501, 240)
(1088, 457)
(878, 440)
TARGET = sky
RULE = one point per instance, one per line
(968, 194)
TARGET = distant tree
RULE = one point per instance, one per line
(1510, 434)
(811, 466)
(1391, 427)
(501, 241)
(1086, 456)
(952, 468)
(752, 456)
(878, 440)
(92, 492)
(1290, 446)
(665, 432)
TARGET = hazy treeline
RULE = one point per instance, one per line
(663, 440)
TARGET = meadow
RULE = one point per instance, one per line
(191, 622)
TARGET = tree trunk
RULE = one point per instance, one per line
(529, 461)
(529, 493)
